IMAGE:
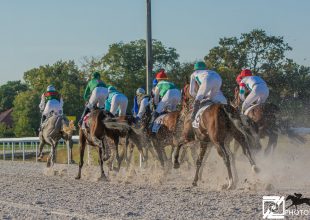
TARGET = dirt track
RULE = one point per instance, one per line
(29, 191)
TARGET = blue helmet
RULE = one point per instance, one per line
(155, 82)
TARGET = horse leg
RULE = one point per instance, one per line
(116, 142)
(69, 144)
(233, 161)
(203, 163)
(82, 150)
(102, 175)
(272, 143)
(246, 152)
(203, 148)
(159, 152)
(42, 143)
(176, 164)
(226, 159)
(130, 156)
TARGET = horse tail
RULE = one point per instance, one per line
(235, 121)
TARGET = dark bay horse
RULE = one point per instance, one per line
(264, 121)
(102, 126)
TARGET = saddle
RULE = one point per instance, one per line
(255, 112)
(168, 119)
(204, 104)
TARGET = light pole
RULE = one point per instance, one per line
(149, 61)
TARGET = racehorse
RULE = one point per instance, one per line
(102, 125)
(217, 124)
(263, 118)
(55, 128)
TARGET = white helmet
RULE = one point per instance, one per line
(51, 88)
(140, 91)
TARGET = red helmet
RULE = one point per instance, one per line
(161, 75)
(244, 73)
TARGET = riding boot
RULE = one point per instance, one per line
(196, 106)
(42, 120)
(86, 110)
(155, 114)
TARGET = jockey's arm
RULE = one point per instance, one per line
(42, 103)
(142, 107)
(156, 95)
(242, 90)
(192, 86)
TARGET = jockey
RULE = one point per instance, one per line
(95, 93)
(259, 91)
(205, 84)
(141, 102)
(51, 101)
(116, 102)
(166, 91)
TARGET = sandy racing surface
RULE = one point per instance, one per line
(30, 191)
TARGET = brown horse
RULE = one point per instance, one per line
(262, 120)
(102, 126)
(218, 123)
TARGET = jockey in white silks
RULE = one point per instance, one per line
(205, 84)
(51, 101)
(166, 96)
(141, 102)
(95, 95)
(116, 103)
(257, 87)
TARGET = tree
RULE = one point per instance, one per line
(265, 56)
(26, 114)
(123, 66)
(8, 92)
(5, 132)
(67, 79)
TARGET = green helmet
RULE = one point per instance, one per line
(96, 75)
(200, 66)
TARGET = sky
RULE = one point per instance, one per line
(36, 32)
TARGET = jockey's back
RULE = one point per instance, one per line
(251, 81)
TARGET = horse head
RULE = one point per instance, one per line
(68, 128)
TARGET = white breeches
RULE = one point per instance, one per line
(119, 101)
(210, 88)
(98, 97)
(52, 105)
(170, 101)
(258, 95)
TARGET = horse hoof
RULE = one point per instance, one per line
(255, 169)
(72, 162)
(194, 183)
(103, 178)
(78, 177)
(176, 166)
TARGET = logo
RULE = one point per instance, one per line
(273, 207)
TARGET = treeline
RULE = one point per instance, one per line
(123, 66)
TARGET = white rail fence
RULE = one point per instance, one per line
(16, 146)
(25, 145)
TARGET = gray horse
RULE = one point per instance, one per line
(55, 128)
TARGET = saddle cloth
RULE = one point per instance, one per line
(204, 105)
(86, 121)
(250, 108)
(158, 122)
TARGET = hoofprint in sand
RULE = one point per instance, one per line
(30, 191)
